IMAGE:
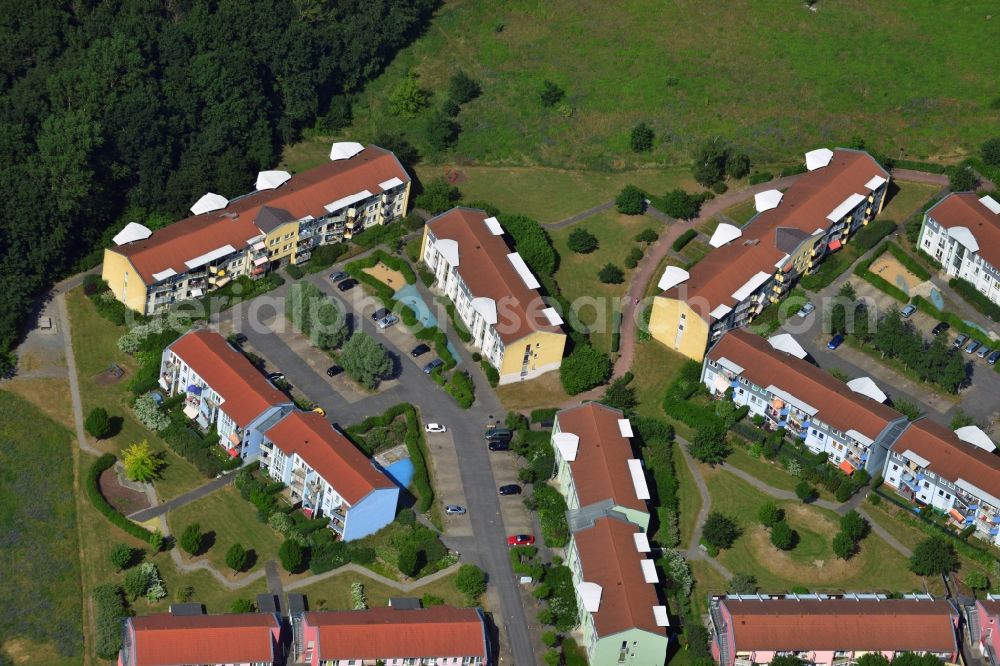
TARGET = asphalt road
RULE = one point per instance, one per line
(489, 548)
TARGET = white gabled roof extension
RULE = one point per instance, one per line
(641, 542)
(208, 203)
(132, 231)
(974, 435)
(269, 180)
(720, 311)
(819, 158)
(751, 285)
(875, 183)
(766, 200)
(487, 307)
(731, 366)
(786, 343)
(210, 256)
(391, 183)
(625, 427)
(590, 595)
(523, 270)
(568, 444)
(448, 249)
(638, 479)
(845, 207)
(345, 150)
(493, 224)
(865, 386)
(991, 204)
(661, 616)
(552, 316)
(965, 237)
(724, 233)
(920, 460)
(347, 201)
(672, 276)
(163, 275)
(649, 571)
(792, 400)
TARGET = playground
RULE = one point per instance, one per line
(889, 269)
(387, 276)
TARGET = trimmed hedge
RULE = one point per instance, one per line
(460, 330)
(869, 236)
(544, 414)
(440, 340)
(103, 463)
(294, 271)
(616, 333)
(492, 374)
(551, 509)
(975, 298)
(683, 239)
(909, 262)
(760, 177)
(792, 170)
(918, 166)
(861, 270)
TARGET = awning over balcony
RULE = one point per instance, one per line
(834, 245)
(721, 384)
(191, 411)
(846, 467)
(233, 452)
(957, 515)
(259, 260)
(260, 246)
(194, 389)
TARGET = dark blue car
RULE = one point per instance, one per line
(835, 341)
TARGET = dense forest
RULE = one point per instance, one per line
(129, 110)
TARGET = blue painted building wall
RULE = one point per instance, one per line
(376, 510)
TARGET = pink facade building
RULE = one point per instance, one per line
(247, 639)
(987, 622)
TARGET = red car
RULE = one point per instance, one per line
(520, 540)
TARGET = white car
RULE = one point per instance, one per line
(435, 427)
(454, 510)
(806, 310)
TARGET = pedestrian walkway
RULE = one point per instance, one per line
(179, 501)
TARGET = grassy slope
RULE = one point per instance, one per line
(776, 78)
(39, 555)
(334, 593)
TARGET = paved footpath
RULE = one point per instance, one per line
(179, 501)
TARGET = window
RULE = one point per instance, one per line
(895, 468)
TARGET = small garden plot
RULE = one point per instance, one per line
(125, 500)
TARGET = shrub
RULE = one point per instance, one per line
(101, 504)
(294, 271)
(611, 274)
(291, 555)
(109, 611)
(975, 298)
(743, 583)
(98, 423)
(584, 369)
(581, 241)
(438, 196)
(470, 581)
(793, 170)
(646, 236)
(769, 514)
(543, 414)
(192, 539)
(550, 94)
(121, 556)
(683, 240)
(641, 138)
(991, 151)
(631, 201)
(720, 187)
(805, 492)
(492, 374)
(149, 414)
(551, 509)
(633, 258)
(461, 388)
(719, 531)
(737, 164)
(532, 243)
(462, 88)
(960, 178)
(934, 556)
(760, 177)
(783, 537)
(358, 596)
(242, 606)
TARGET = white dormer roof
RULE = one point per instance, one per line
(865, 386)
(920, 460)
(974, 435)
(649, 571)
(590, 595)
(724, 233)
(638, 479)
(493, 224)
(786, 343)
(750, 286)
(132, 232)
(568, 444)
(965, 237)
(552, 316)
(487, 307)
(766, 200)
(208, 203)
(345, 150)
(641, 542)
(991, 204)
(720, 311)
(819, 158)
(875, 183)
(522, 269)
(625, 427)
(672, 276)
(269, 180)
(448, 249)
(661, 616)
(347, 201)
(391, 183)
(845, 207)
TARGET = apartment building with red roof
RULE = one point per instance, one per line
(281, 221)
(962, 233)
(826, 629)
(754, 266)
(222, 390)
(435, 636)
(247, 639)
(328, 475)
(985, 630)
(494, 292)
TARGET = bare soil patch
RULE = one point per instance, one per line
(889, 269)
(123, 499)
(387, 276)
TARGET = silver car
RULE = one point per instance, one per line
(454, 510)
(806, 310)
(387, 321)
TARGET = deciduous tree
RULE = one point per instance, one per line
(934, 556)
(631, 201)
(719, 531)
(581, 241)
(141, 463)
(236, 558)
(641, 138)
(192, 539)
(364, 359)
(98, 423)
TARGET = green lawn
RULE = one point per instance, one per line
(906, 199)
(95, 347)
(695, 251)
(593, 301)
(775, 78)
(39, 558)
(334, 593)
(690, 499)
(876, 567)
(770, 473)
(227, 518)
(741, 213)
(708, 581)
(654, 367)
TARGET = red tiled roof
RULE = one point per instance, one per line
(950, 457)
(992, 607)
(304, 194)
(608, 557)
(171, 640)
(837, 404)
(963, 209)
(843, 624)
(600, 470)
(244, 391)
(803, 207)
(386, 633)
(487, 272)
(328, 452)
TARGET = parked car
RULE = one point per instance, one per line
(433, 365)
(960, 340)
(381, 313)
(349, 283)
(435, 427)
(972, 346)
(319, 410)
(338, 276)
(941, 327)
(240, 339)
(994, 357)
(334, 370)
(806, 310)
(499, 446)
(835, 341)
(983, 352)
(907, 311)
(276, 376)
(386, 322)
(454, 510)
(496, 432)
(520, 540)
(419, 350)
(510, 489)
